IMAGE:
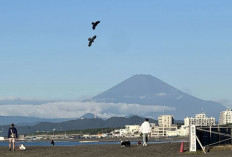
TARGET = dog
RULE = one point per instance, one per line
(125, 143)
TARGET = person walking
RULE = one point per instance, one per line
(52, 142)
(12, 135)
(145, 129)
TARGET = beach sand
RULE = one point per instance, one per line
(152, 150)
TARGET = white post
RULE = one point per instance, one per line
(192, 139)
(53, 132)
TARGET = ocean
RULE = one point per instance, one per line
(70, 143)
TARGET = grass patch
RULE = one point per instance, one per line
(209, 149)
(218, 148)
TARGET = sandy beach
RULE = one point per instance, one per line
(157, 150)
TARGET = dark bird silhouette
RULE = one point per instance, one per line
(91, 40)
(95, 24)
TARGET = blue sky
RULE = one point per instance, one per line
(44, 49)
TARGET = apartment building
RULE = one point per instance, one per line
(225, 117)
(199, 120)
(165, 124)
(165, 121)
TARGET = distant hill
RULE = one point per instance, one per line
(79, 124)
(148, 90)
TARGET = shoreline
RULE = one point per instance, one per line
(132, 139)
(114, 150)
(78, 143)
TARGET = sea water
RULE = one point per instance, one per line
(71, 143)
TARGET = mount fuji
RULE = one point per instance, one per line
(149, 90)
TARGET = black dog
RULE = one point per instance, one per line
(125, 143)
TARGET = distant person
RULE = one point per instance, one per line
(52, 142)
(145, 129)
(12, 135)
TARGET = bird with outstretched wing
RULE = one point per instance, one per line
(91, 40)
(95, 24)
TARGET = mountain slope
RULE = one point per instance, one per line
(148, 90)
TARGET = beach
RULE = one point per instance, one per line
(152, 150)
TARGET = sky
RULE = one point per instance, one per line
(44, 53)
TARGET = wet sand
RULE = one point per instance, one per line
(152, 150)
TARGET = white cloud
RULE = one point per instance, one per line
(77, 109)
(179, 97)
(161, 94)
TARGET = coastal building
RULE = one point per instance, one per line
(165, 125)
(1, 138)
(199, 120)
(225, 117)
(171, 133)
(182, 131)
(122, 132)
(154, 130)
(115, 133)
(129, 131)
(21, 137)
(119, 133)
(132, 130)
(84, 136)
(165, 120)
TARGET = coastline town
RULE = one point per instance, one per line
(165, 128)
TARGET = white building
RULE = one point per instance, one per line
(166, 124)
(225, 117)
(1, 138)
(165, 120)
(123, 132)
(132, 130)
(199, 120)
(183, 131)
(129, 131)
(171, 133)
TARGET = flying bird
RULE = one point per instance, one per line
(95, 24)
(91, 40)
